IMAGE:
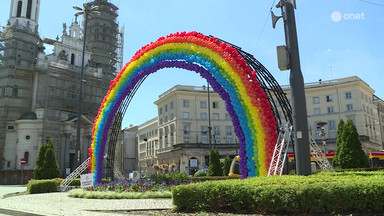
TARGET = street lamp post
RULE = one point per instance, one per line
(209, 118)
(322, 134)
(86, 10)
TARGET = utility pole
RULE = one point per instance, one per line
(299, 109)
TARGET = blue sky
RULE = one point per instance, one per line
(336, 38)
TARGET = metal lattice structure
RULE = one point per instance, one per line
(320, 157)
(115, 130)
(281, 150)
(76, 173)
(271, 87)
(268, 83)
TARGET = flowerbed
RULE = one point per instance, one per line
(158, 187)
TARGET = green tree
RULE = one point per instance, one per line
(340, 128)
(227, 166)
(350, 153)
(46, 164)
(214, 167)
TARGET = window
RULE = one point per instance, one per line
(171, 105)
(187, 130)
(26, 157)
(348, 95)
(363, 107)
(215, 105)
(204, 130)
(203, 115)
(332, 125)
(227, 116)
(215, 116)
(166, 119)
(316, 111)
(186, 103)
(228, 131)
(160, 110)
(316, 100)
(15, 91)
(186, 115)
(72, 59)
(229, 140)
(161, 121)
(349, 107)
(216, 130)
(330, 110)
(29, 9)
(19, 7)
(166, 108)
(329, 98)
(203, 104)
(172, 116)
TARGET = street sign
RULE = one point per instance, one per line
(22, 161)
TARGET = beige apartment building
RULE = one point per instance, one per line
(345, 98)
(180, 132)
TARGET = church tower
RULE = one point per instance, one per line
(19, 47)
(102, 36)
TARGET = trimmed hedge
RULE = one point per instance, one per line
(42, 186)
(213, 178)
(322, 193)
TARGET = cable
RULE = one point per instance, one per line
(377, 4)
(262, 30)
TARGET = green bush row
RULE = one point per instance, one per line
(50, 185)
(211, 178)
(42, 186)
(323, 193)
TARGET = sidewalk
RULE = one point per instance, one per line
(8, 189)
(60, 204)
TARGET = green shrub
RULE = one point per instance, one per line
(214, 166)
(200, 173)
(323, 193)
(213, 178)
(42, 186)
(46, 164)
(349, 153)
(226, 165)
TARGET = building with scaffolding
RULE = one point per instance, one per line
(39, 92)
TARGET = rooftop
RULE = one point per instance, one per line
(186, 88)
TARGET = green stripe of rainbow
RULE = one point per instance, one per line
(231, 66)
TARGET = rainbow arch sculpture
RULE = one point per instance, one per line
(225, 70)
